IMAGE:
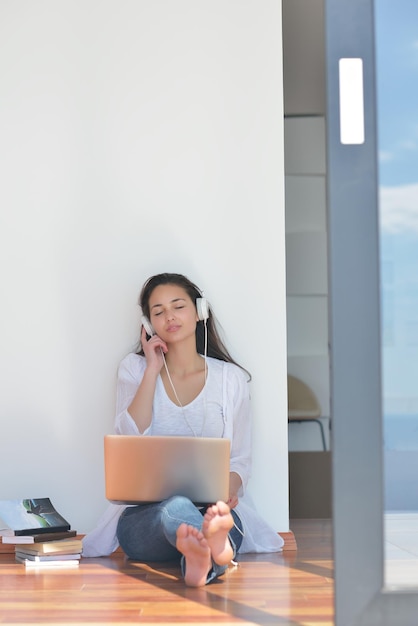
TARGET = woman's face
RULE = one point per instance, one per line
(172, 313)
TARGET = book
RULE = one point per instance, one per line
(42, 537)
(62, 563)
(63, 546)
(41, 558)
(30, 516)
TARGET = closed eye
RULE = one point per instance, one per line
(176, 308)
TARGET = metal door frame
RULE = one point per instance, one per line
(355, 341)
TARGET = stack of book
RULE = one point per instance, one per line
(60, 553)
(42, 537)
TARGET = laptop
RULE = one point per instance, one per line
(153, 468)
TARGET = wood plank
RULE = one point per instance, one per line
(282, 589)
(289, 541)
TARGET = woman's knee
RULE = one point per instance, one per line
(178, 504)
(180, 499)
(178, 510)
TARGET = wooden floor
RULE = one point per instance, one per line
(287, 589)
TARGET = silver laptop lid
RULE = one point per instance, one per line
(142, 469)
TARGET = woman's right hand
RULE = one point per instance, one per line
(140, 408)
(153, 348)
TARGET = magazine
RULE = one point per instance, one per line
(30, 516)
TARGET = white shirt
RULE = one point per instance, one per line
(222, 409)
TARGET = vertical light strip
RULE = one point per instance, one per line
(351, 101)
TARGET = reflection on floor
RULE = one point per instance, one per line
(401, 549)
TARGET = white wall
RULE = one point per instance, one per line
(136, 137)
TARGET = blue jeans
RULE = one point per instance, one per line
(148, 532)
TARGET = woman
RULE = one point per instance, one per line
(183, 381)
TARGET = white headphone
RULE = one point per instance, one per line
(202, 306)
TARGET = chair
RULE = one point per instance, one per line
(303, 405)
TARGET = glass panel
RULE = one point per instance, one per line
(397, 89)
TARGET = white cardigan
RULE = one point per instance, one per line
(226, 393)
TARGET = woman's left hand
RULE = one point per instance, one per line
(234, 487)
(232, 501)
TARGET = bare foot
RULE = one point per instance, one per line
(217, 522)
(192, 543)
